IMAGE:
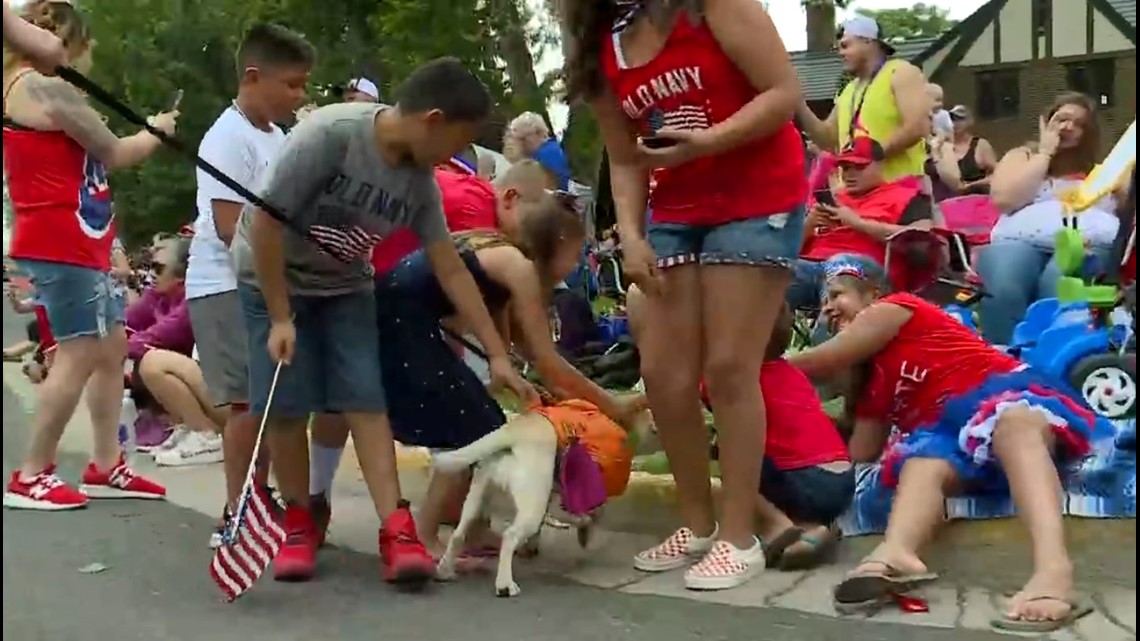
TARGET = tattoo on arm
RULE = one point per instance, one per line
(69, 110)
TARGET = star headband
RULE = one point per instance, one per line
(835, 269)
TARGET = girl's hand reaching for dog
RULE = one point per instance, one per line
(626, 408)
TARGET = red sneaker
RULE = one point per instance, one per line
(120, 482)
(403, 558)
(297, 558)
(44, 491)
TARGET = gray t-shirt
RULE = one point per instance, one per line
(331, 181)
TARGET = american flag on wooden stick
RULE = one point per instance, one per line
(256, 531)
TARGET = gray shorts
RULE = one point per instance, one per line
(223, 350)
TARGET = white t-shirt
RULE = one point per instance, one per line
(1039, 221)
(242, 152)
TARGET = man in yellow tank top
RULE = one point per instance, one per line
(886, 100)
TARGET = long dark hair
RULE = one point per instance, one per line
(587, 22)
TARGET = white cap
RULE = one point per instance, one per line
(364, 86)
(866, 27)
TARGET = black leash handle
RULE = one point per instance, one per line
(89, 87)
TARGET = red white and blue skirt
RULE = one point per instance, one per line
(963, 433)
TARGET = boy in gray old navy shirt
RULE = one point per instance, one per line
(349, 175)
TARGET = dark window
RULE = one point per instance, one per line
(1042, 17)
(1094, 78)
(998, 93)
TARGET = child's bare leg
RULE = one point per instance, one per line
(376, 452)
(1023, 442)
(773, 522)
(444, 490)
(289, 454)
(916, 513)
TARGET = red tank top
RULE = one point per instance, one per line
(696, 85)
(60, 199)
(934, 357)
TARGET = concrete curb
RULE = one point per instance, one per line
(648, 507)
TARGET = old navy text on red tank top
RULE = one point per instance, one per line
(696, 86)
(61, 200)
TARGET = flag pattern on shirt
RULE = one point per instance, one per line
(252, 542)
(344, 243)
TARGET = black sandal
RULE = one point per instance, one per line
(774, 550)
(820, 549)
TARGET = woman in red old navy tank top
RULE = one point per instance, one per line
(56, 151)
(967, 417)
(700, 95)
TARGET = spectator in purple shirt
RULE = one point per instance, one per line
(166, 378)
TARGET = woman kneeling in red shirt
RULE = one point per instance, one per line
(967, 416)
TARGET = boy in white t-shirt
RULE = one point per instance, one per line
(273, 67)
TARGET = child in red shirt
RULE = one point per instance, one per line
(968, 416)
(807, 480)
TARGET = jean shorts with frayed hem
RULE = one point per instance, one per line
(768, 241)
(79, 301)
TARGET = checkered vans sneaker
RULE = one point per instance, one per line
(677, 551)
(725, 567)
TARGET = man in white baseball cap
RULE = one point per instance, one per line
(361, 90)
(886, 100)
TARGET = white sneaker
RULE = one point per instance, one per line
(177, 434)
(725, 567)
(677, 551)
(196, 448)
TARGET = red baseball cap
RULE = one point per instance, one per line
(861, 151)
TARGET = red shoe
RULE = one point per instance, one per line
(403, 558)
(297, 558)
(120, 482)
(44, 491)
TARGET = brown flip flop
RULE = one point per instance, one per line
(859, 592)
(1079, 608)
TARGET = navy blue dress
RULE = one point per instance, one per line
(434, 399)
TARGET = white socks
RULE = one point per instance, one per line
(323, 463)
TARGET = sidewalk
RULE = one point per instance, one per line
(980, 561)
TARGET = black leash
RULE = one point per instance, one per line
(89, 87)
(86, 85)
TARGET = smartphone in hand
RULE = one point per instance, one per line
(824, 197)
(658, 142)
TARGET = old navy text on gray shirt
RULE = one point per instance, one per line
(331, 181)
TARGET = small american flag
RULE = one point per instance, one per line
(252, 541)
(255, 533)
(344, 243)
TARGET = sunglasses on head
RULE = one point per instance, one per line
(566, 199)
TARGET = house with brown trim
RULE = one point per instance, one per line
(1010, 59)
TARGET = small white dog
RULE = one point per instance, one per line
(518, 459)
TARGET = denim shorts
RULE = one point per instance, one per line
(79, 301)
(336, 361)
(770, 241)
(810, 494)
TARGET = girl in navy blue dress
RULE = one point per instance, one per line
(434, 399)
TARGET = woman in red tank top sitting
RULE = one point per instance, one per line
(700, 95)
(967, 416)
(57, 150)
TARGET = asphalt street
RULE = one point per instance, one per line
(155, 587)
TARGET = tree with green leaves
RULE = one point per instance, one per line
(147, 49)
(912, 23)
